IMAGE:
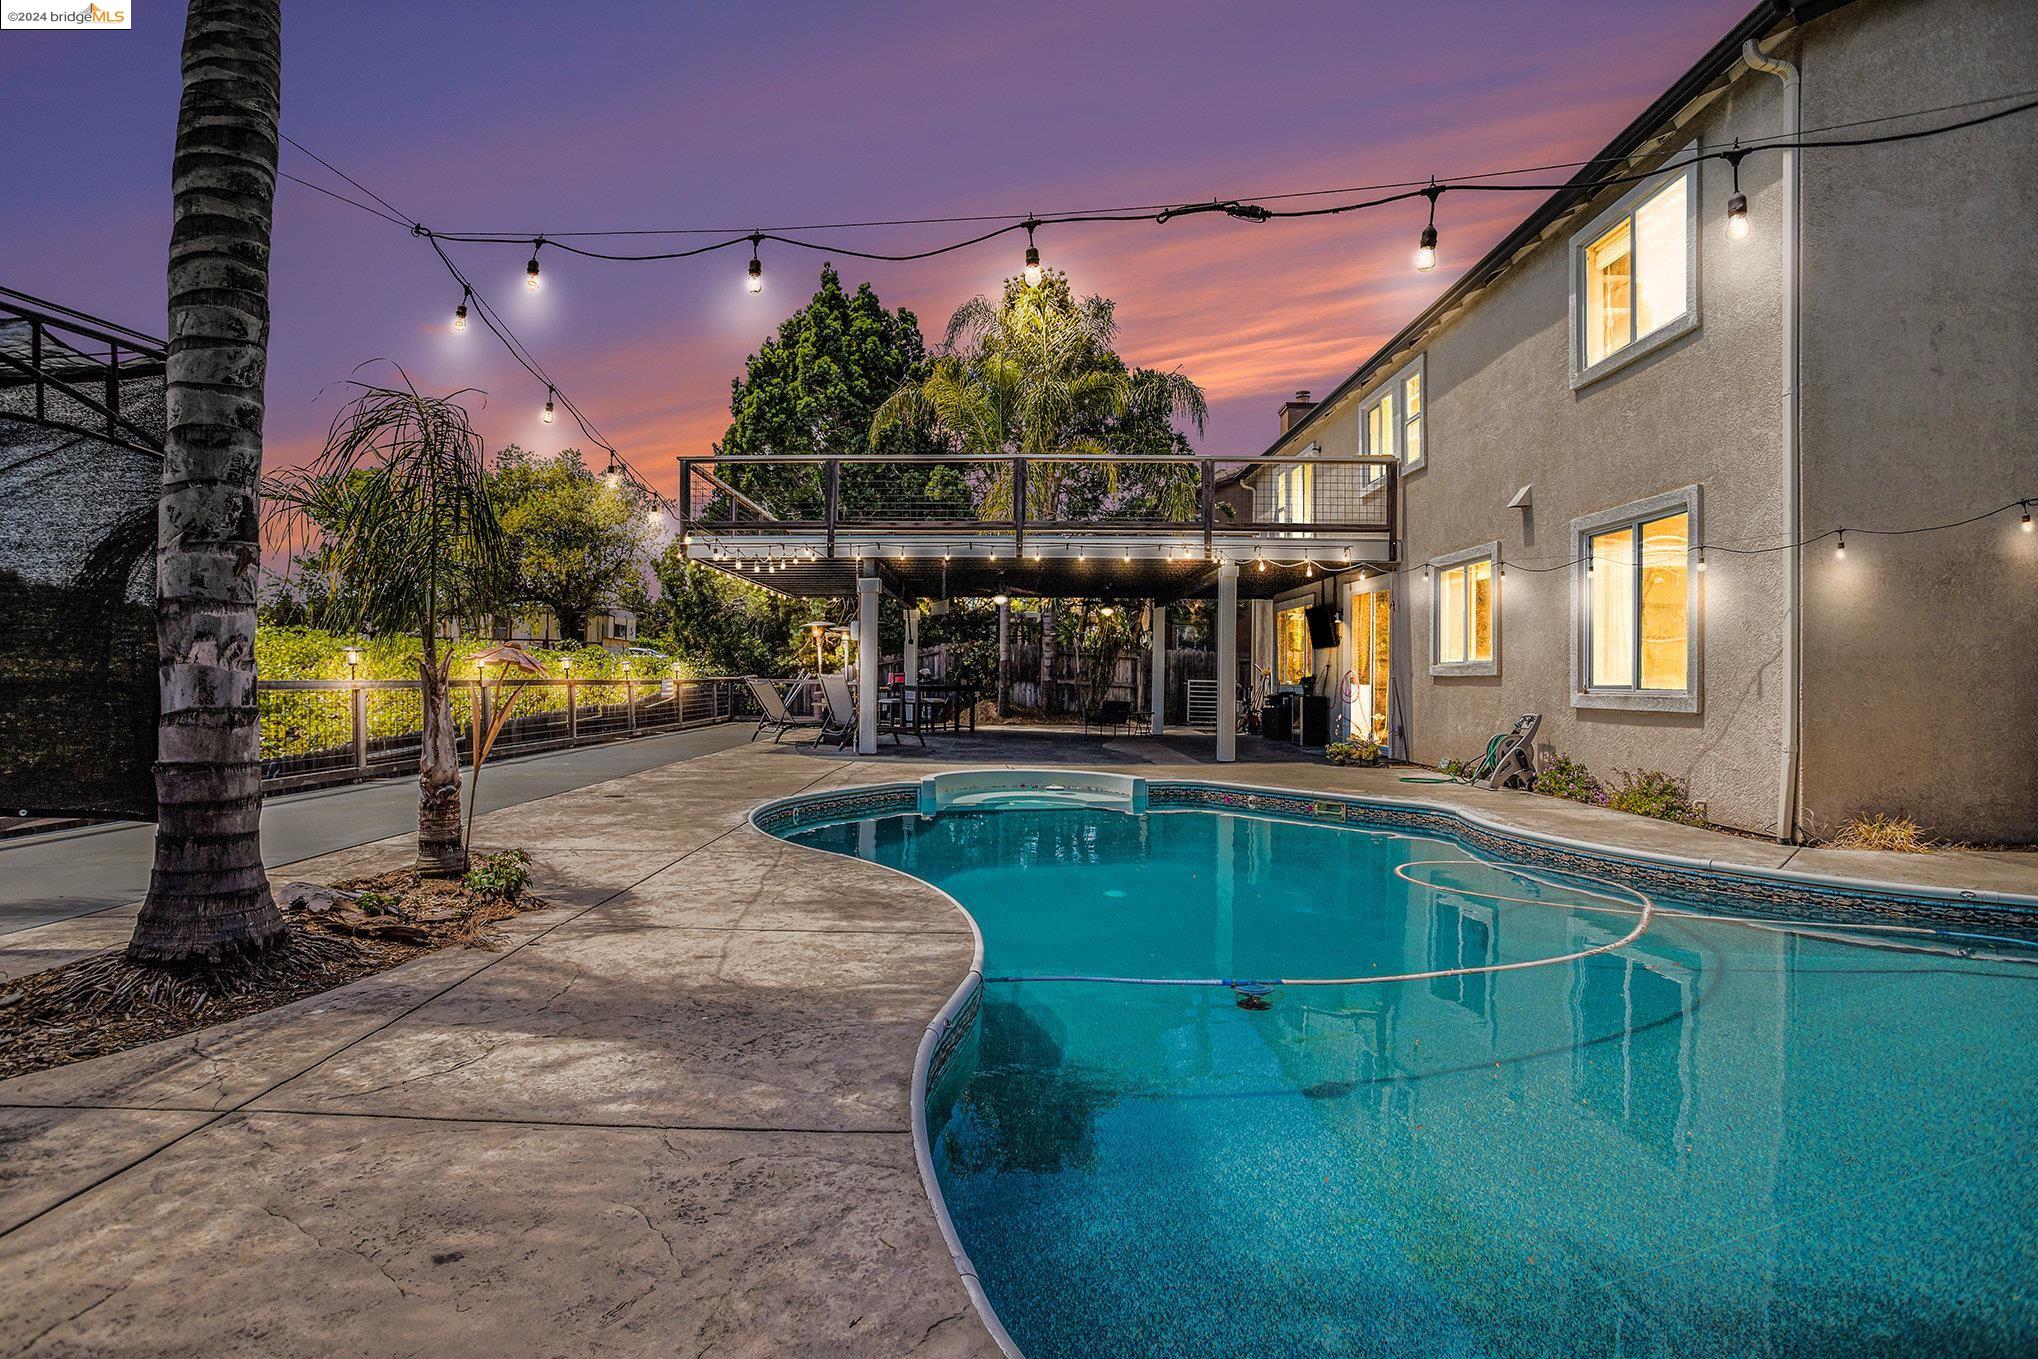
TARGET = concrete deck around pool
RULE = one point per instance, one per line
(669, 1116)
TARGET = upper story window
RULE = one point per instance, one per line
(1637, 621)
(1634, 276)
(1393, 419)
(1295, 493)
(1465, 612)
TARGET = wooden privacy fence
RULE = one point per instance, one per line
(317, 732)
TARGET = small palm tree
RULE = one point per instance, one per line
(399, 501)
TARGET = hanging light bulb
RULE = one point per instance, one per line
(548, 405)
(2025, 522)
(754, 282)
(531, 280)
(1033, 272)
(1737, 204)
(1840, 546)
(1426, 247)
(614, 476)
(1701, 560)
(655, 515)
(460, 312)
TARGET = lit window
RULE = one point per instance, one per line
(1639, 639)
(1411, 420)
(1294, 659)
(1464, 631)
(1635, 286)
(1387, 436)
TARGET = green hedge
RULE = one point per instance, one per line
(302, 723)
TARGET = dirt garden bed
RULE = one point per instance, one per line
(103, 1004)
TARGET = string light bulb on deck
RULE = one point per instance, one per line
(1701, 560)
(1426, 246)
(753, 282)
(460, 312)
(1840, 544)
(1737, 203)
(614, 476)
(2025, 522)
(1033, 271)
(547, 415)
(531, 280)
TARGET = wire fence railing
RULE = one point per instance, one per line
(329, 731)
(1172, 496)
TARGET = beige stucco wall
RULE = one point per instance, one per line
(1920, 682)
(1704, 410)
(1920, 308)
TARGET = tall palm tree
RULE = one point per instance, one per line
(400, 504)
(1036, 374)
(208, 896)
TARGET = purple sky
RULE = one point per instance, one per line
(540, 116)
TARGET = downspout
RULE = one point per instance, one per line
(1793, 560)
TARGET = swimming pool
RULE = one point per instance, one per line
(1726, 1136)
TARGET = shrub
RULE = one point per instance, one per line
(376, 903)
(1566, 778)
(1898, 834)
(501, 875)
(1340, 752)
(1654, 793)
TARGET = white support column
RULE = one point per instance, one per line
(1160, 668)
(911, 663)
(867, 662)
(1227, 662)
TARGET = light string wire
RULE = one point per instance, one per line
(1247, 209)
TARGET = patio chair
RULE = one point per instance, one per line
(773, 712)
(1110, 715)
(1509, 757)
(839, 725)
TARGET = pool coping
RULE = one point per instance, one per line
(931, 1046)
(778, 814)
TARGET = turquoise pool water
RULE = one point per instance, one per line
(1726, 1138)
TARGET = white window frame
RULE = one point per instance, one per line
(1634, 699)
(1437, 566)
(1582, 373)
(1396, 387)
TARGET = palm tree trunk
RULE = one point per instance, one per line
(208, 896)
(441, 853)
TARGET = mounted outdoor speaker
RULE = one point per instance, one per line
(1322, 620)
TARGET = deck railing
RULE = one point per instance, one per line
(1086, 495)
(70, 371)
(330, 731)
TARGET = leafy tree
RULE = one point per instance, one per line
(208, 895)
(811, 390)
(719, 625)
(400, 503)
(578, 540)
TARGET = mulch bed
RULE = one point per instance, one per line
(104, 1004)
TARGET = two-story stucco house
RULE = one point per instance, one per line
(1630, 434)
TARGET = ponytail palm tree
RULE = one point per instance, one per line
(399, 502)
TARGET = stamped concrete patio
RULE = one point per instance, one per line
(670, 1115)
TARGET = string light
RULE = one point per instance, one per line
(1737, 203)
(754, 281)
(1426, 248)
(1701, 559)
(614, 476)
(2025, 522)
(531, 281)
(1033, 272)
(1001, 599)
(460, 312)
(1840, 546)
(549, 394)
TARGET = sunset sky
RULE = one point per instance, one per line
(534, 117)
